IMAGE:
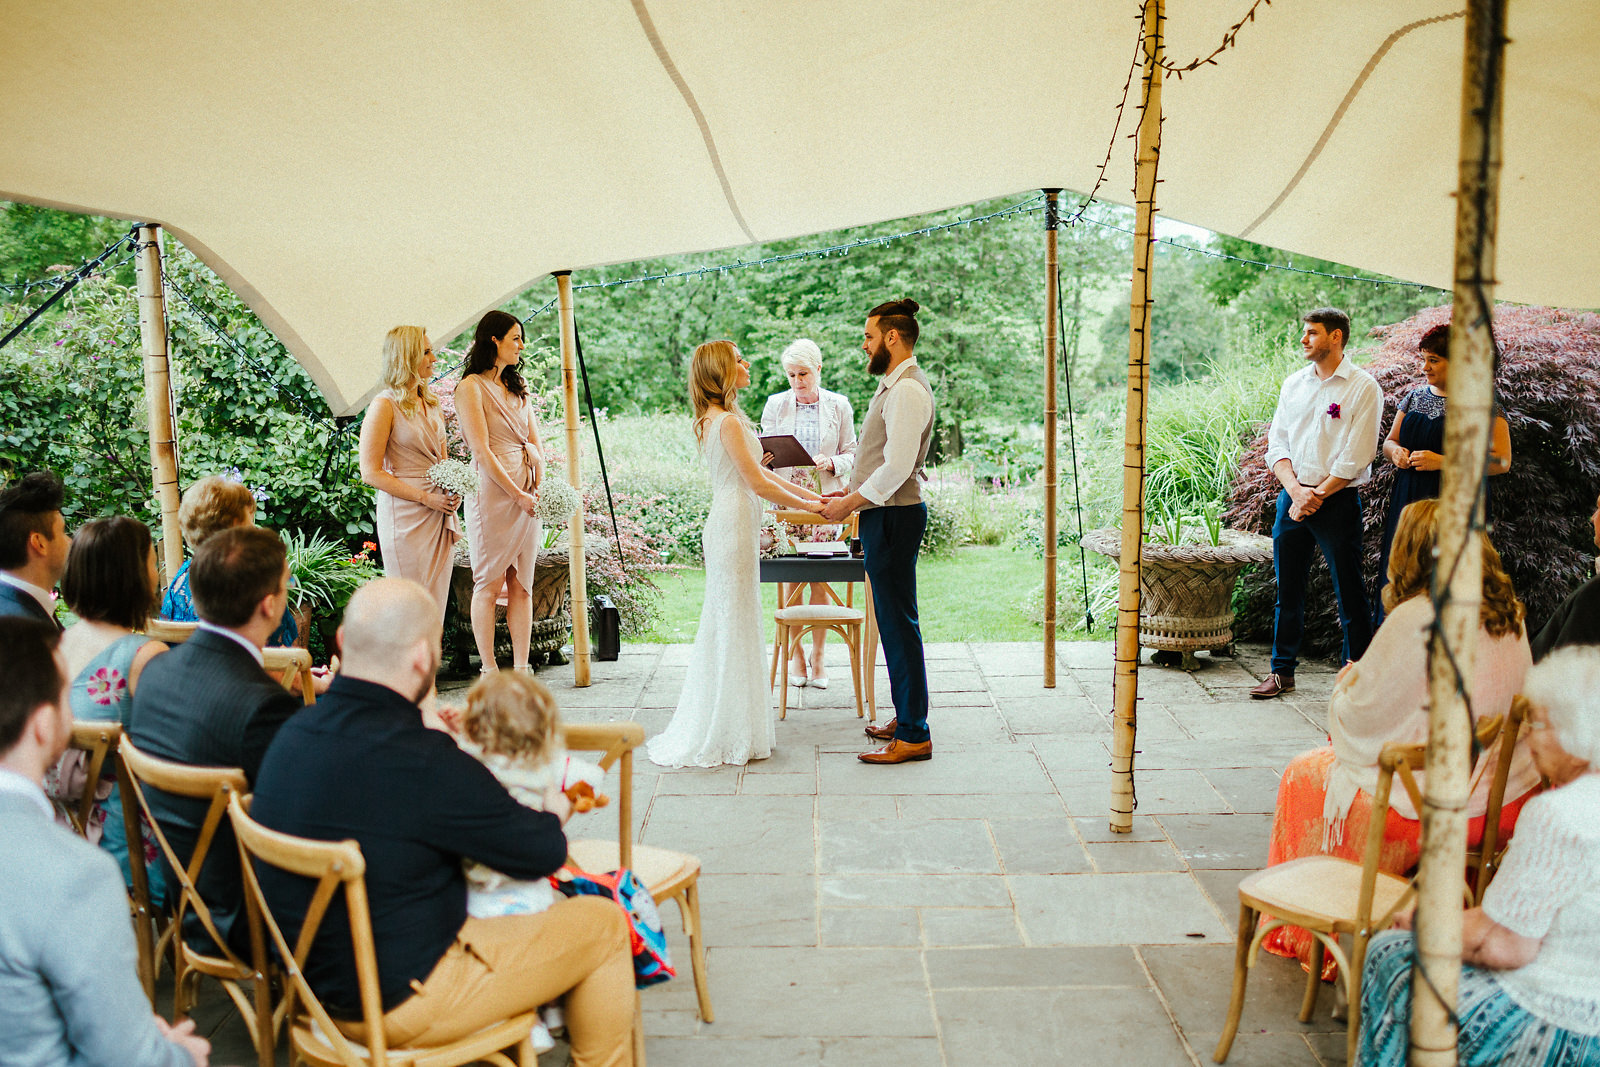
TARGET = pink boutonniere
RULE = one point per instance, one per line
(1333, 411)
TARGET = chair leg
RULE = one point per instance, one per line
(851, 643)
(783, 673)
(777, 643)
(1241, 976)
(638, 1031)
(1308, 1003)
(689, 904)
(1352, 984)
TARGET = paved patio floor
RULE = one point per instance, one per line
(974, 909)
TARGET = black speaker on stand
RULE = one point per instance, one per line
(605, 629)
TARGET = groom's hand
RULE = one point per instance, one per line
(836, 508)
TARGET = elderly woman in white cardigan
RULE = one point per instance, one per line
(824, 424)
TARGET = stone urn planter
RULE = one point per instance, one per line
(1186, 591)
(552, 615)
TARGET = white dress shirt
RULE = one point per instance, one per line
(243, 642)
(46, 601)
(907, 410)
(1319, 443)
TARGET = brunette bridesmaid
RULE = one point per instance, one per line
(402, 436)
(497, 421)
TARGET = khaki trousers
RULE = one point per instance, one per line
(502, 967)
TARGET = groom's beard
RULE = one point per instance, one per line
(878, 360)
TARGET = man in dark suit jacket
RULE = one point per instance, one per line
(33, 546)
(210, 703)
(1577, 620)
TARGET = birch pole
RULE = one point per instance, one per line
(576, 582)
(1052, 271)
(158, 394)
(1125, 679)
(1458, 567)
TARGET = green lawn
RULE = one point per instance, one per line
(979, 594)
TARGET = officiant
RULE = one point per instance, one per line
(825, 425)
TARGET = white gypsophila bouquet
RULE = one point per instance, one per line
(453, 477)
(557, 502)
(776, 538)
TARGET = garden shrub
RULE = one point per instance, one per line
(948, 528)
(1549, 390)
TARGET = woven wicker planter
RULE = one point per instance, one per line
(1186, 591)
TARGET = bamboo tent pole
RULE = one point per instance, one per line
(1125, 679)
(1458, 560)
(576, 581)
(158, 394)
(1052, 274)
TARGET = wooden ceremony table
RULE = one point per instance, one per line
(833, 569)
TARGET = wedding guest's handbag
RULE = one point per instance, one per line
(605, 627)
(651, 964)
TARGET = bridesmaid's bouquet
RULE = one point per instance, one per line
(557, 503)
(453, 477)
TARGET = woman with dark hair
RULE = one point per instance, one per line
(496, 419)
(1415, 444)
(112, 585)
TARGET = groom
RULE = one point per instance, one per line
(884, 488)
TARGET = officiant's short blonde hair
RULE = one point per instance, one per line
(803, 353)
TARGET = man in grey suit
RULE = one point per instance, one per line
(210, 703)
(69, 987)
(33, 546)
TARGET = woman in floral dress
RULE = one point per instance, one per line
(112, 585)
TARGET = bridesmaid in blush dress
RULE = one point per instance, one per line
(401, 437)
(497, 421)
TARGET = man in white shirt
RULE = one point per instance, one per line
(33, 546)
(1320, 446)
(69, 986)
(884, 487)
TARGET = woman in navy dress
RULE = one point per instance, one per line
(1415, 444)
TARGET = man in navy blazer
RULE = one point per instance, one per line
(210, 703)
(33, 546)
(69, 986)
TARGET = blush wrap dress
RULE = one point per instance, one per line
(500, 534)
(417, 542)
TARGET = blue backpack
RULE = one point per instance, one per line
(651, 963)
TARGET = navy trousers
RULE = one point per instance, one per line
(891, 538)
(1335, 528)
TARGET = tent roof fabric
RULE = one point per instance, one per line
(347, 167)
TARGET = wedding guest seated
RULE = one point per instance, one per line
(1530, 990)
(361, 765)
(69, 987)
(210, 703)
(33, 546)
(1577, 620)
(211, 505)
(1325, 797)
(112, 585)
(825, 425)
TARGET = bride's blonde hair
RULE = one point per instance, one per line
(713, 378)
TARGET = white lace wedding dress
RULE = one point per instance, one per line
(724, 713)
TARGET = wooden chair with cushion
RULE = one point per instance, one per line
(173, 633)
(796, 620)
(291, 665)
(1484, 860)
(1328, 896)
(668, 875)
(215, 785)
(335, 867)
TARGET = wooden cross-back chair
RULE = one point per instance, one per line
(288, 665)
(214, 785)
(1328, 896)
(101, 742)
(1502, 735)
(668, 875)
(338, 867)
(173, 633)
(794, 620)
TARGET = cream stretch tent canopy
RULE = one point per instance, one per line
(346, 166)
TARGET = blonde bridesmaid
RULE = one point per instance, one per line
(497, 421)
(402, 436)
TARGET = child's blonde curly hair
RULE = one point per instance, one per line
(512, 715)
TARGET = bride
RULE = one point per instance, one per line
(725, 710)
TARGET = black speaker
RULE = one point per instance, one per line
(605, 629)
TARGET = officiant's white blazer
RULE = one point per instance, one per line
(837, 437)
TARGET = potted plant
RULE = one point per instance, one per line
(322, 577)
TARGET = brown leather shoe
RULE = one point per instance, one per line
(898, 752)
(1273, 685)
(881, 731)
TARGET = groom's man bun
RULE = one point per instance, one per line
(898, 315)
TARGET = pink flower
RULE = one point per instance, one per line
(105, 686)
(1333, 411)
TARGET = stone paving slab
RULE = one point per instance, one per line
(976, 908)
